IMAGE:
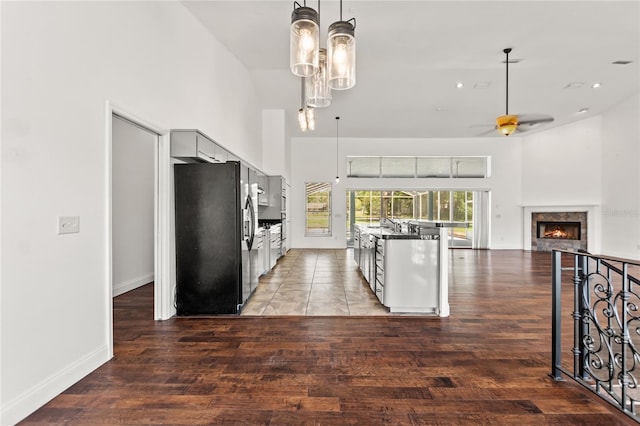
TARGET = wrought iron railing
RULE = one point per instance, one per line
(604, 300)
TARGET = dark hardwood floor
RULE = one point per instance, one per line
(486, 364)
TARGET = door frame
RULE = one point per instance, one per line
(163, 266)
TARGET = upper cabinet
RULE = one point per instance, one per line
(195, 145)
(190, 145)
(277, 199)
(263, 189)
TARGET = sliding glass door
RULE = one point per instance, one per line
(456, 209)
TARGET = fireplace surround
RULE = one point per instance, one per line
(559, 230)
(589, 229)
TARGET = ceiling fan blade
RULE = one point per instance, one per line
(490, 132)
(533, 119)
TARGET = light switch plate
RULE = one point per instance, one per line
(68, 224)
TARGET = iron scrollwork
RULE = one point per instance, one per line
(606, 329)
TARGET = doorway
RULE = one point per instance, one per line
(160, 219)
(133, 195)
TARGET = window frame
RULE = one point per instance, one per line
(329, 206)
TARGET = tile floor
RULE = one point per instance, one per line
(314, 282)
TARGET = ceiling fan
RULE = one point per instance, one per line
(507, 124)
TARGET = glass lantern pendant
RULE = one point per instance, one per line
(317, 90)
(342, 55)
(304, 41)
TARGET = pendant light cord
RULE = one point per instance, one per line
(340, 10)
(337, 121)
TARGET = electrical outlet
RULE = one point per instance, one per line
(68, 224)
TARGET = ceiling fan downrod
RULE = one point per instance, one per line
(507, 51)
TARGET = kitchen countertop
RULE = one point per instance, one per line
(389, 234)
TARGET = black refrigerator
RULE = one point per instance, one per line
(215, 224)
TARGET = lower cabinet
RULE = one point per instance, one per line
(275, 244)
(406, 274)
(411, 271)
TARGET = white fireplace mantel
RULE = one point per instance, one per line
(593, 221)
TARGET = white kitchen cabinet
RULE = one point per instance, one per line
(277, 199)
(193, 144)
(263, 190)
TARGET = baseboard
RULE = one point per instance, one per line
(29, 401)
(129, 285)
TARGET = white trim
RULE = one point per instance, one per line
(38, 395)
(165, 258)
(162, 260)
(123, 287)
(593, 221)
(108, 292)
(443, 305)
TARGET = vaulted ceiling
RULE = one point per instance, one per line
(412, 54)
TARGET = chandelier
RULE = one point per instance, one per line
(322, 69)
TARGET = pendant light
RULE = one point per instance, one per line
(304, 40)
(311, 118)
(341, 52)
(318, 91)
(337, 174)
(507, 124)
(306, 114)
(306, 119)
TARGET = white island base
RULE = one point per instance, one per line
(416, 275)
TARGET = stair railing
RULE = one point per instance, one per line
(605, 303)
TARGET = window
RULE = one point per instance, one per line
(318, 210)
(418, 167)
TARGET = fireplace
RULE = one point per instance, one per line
(559, 230)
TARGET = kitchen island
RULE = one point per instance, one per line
(406, 270)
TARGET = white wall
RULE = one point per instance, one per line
(274, 143)
(61, 62)
(314, 160)
(562, 171)
(561, 166)
(621, 180)
(133, 179)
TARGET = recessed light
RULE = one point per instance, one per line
(583, 110)
(595, 85)
(574, 85)
(459, 85)
(482, 85)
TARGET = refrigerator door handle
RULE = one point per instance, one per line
(251, 229)
(253, 224)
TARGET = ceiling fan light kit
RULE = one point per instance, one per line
(507, 124)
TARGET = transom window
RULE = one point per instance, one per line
(418, 167)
